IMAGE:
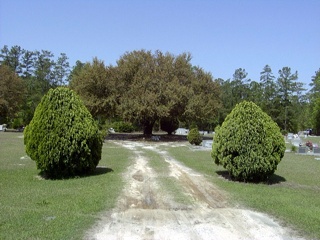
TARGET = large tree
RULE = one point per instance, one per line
(145, 87)
(12, 90)
(204, 100)
(61, 70)
(269, 87)
(234, 91)
(288, 87)
(11, 57)
(157, 86)
(39, 71)
(93, 82)
(314, 97)
(241, 85)
(227, 98)
(315, 85)
(153, 86)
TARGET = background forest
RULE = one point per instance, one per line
(150, 90)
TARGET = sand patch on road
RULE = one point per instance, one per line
(147, 211)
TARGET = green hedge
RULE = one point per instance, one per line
(249, 144)
(124, 127)
(194, 137)
(63, 138)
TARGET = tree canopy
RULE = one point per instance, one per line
(39, 71)
(12, 90)
(281, 97)
(146, 87)
(94, 83)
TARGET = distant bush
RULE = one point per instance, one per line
(17, 123)
(124, 127)
(194, 137)
(63, 138)
(249, 144)
(169, 125)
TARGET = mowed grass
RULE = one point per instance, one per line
(292, 196)
(33, 208)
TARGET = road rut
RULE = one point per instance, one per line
(146, 210)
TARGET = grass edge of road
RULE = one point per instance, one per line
(292, 197)
(34, 208)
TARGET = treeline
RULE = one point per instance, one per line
(25, 76)
(281, 98)
(153, 89)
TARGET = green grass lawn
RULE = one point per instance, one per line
(293, 195)
(31, 208)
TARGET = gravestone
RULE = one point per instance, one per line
(302, 150)
(207, 143)
(316, 150)
(182, 131)
(3, 127)
(296, 142)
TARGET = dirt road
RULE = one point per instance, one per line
(147, 210)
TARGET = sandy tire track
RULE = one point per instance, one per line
(146, 211)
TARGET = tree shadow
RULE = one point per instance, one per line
(273, 179)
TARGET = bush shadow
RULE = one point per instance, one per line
(273, 179)
(101, 170)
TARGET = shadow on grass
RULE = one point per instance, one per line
(100, 170)
(273, 179)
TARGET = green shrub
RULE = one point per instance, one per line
(63, 138)
(193, 125)
(169, 125)
(293, 148)
(194, 137)
(124, 127)
(249, 144)
(17, 123)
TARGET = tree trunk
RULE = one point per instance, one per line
(147, 128)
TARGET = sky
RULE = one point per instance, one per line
(221, 35)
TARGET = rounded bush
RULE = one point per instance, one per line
(169, 125)
(194, 137)
(125, 127)
(63, 138)
(249, 144)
